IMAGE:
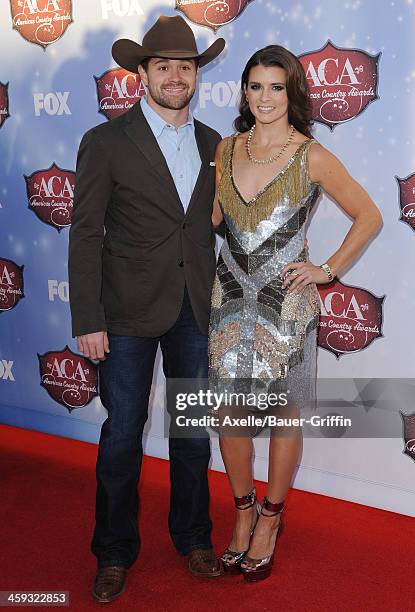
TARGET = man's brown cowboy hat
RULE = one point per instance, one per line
(170, 37)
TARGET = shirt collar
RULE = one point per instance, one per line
(156, 122)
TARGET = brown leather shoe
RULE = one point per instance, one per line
(204, 564)
(109, 583)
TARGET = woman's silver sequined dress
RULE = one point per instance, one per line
(257, 329)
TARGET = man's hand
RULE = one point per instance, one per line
(94, 345)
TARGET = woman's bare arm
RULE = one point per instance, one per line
(326, 170)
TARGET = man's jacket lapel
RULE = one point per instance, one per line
(203, 147)
(137, 128)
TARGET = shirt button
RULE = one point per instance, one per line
(181, 176)
(181, 263)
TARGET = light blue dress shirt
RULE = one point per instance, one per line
(179, 148)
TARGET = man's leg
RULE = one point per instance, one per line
(184, 351)
(125, 382)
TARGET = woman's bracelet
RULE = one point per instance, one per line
(327, 270)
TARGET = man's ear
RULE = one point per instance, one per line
(143, 75)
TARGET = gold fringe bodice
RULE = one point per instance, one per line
(285, 189)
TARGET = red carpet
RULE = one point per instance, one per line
(333, 556)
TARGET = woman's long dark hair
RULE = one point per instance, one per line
(299, 102)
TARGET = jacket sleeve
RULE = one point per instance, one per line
(93, 188)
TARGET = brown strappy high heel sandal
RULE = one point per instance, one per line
(232, 559)
(260, 569)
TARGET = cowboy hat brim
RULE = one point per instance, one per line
(129, 54)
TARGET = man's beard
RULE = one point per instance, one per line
(173, 102)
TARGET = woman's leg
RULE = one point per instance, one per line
(237, 452)
(284, 451)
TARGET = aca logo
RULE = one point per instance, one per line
(6, 370)
(70, 379)
(212, 13)
(342, 82)
(121, 8)
(407, 199)
(11, 284)
(221, 93)
(41, 22)
(118, 90)
(408, 422)
(4, 102)
(50, 195)
(52, 103)
(351, 318)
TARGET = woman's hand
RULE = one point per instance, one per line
(297, 275)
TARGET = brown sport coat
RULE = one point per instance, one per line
(129, 278)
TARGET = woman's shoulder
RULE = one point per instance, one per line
(226, 140)
(226, 143)
(300, 144)
(317, 152)
(223, 150)
(239, 136)
(239, 139)
(321, 161)
(301, 140)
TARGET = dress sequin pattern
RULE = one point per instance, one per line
(258, 331)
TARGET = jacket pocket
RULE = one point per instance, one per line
(124, 287)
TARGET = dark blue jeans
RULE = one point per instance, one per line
(125, 382)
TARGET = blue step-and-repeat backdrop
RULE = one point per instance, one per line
(57, 79)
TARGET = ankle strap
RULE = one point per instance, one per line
(274, 508)
(247, 501)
